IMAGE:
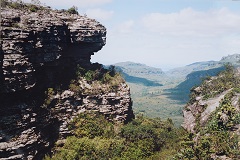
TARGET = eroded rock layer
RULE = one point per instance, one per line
(33, 41)
(41, 51)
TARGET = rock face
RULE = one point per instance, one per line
(198, 113)
(35, 41)
(39, 51)
(29, 131)
(202, 109)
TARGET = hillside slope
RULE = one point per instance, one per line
(197, 66)
(213, 116)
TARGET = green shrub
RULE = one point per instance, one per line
(112, 70)
(106, 78)
(91, 125)
(48, 94)
(4, 3)
(18, 4)
(96, 138)
(94, 149)
(15, 5)
(73, 10)
(80, 72)
(75, 87)
(90, 75)
(33, 8)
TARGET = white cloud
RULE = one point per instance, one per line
(126, 27)
(194, 23)
(99, 14)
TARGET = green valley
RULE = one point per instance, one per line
(164, 94)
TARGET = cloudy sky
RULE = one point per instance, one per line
(163, 33)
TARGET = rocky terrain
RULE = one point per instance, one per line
(40, 53)
(213, 116)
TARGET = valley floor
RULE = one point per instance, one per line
(159, 101)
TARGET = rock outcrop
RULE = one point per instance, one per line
(204, 107)
(33, 41)
(41, 51)
(213, 115)
(29, 130)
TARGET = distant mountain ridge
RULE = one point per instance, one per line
(163, 94)
(138, 68)
(132, 70)
(138, 73)
(197, 66)
(142, 70)
(202, 63)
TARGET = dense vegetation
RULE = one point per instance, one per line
(218, 137)
(100, 79)
(96, 138)
(73, 10)
(213, 86)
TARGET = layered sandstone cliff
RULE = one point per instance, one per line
(33, 41)
(40, 53)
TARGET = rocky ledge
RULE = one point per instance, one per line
(40, 54)
(33, 41)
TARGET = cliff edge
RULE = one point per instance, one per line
(33, 41)
(47, 79)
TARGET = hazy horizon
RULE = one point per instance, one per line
(170, 66)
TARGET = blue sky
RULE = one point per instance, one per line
(163, 33)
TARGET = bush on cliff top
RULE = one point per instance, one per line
(99, 80)
(73, 10)
(34, 6)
